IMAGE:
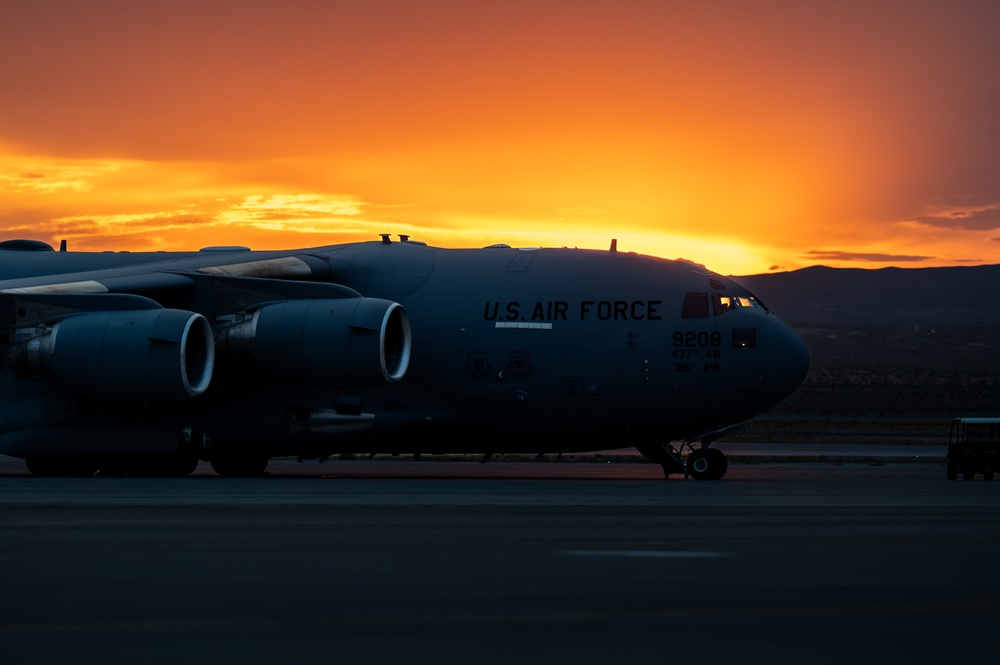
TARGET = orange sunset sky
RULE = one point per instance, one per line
(748, 136)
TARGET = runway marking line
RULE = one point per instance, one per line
(649, 554)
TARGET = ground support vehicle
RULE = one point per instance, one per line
(973, 447)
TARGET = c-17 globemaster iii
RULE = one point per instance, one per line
(146, 363)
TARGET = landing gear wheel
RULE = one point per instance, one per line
(988, 475)
(149, 464)
(239, 466)
(61, 465)
(969, 475)
(707, 464)
(720, 461)
(952, 472)
(179, 465)
(114, 466)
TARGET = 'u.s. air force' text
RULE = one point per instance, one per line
(561, 310)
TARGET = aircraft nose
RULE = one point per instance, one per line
(788, 360)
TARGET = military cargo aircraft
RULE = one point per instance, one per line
(146, 363)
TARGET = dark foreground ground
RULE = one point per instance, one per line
(816, 563)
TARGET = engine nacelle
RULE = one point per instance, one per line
(137, 355)
(329, 342)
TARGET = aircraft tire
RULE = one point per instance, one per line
(987, 475)
(113, 466)
(968, 475)
(61, 465)
(707, 464)
(174, 465)
(239, 466)
(720, 462)
(185, 465)
(149, 464)
(952, 472)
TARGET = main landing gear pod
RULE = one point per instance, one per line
(140, 355)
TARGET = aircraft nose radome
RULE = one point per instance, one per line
(789, 361)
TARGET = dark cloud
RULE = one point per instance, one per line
(833, 255)
(977, 219)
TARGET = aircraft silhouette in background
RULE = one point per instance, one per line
(146, 363)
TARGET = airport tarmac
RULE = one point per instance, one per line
(396, 561)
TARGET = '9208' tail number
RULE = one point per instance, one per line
(691, 339)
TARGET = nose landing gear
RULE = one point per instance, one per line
(702, 463)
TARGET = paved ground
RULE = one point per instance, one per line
(389, 561)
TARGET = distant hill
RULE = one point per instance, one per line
(886, 299)
(895, 341)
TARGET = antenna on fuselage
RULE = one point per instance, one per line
(614, 245)
(62, 245)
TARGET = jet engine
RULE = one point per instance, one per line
(138, 355)
(329, 342)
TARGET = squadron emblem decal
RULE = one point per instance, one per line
(478, 365)
(519, 366)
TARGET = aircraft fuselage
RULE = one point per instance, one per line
(506, 350)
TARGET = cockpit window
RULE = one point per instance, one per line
(723, 304)
(760, 303)
(695, 306)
